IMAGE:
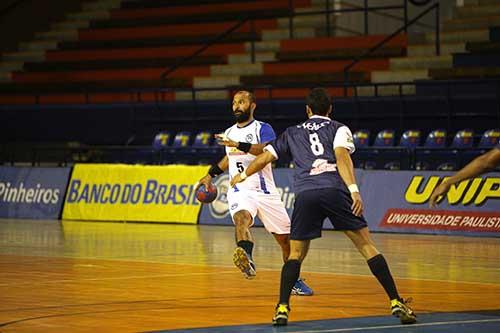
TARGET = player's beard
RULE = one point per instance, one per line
(243, 116)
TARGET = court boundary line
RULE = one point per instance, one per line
(437, 323)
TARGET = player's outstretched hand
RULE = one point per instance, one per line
(223, 140)
(207, 180)
(442, 189)
(236, 179)
(357, 204)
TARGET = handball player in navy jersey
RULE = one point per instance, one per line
(325, 186)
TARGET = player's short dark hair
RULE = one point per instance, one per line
(319, 101)
(251, 95)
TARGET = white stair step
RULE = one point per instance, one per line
(25, 56)
(69, 25)
(246, 58)
(460, 36)
(389, 90)
(279, 34)
(38, 45)
(472, 23)
(202, 95)
(61, 35)
(476, 11)
(215, 81)
(399, 76)
(421, 62)
(481, 2)
(430, 49)
(272, 46)
(11, 66)
(239, 69)
(89, 15)
(101, 5)
(312, 21)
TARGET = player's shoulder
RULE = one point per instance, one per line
(263, 124)
(231, 128)
(337, 124)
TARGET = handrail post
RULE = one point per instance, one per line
(328, 33)
(252, 44)
(366, 17)
(346, 80)
(405, 13)
(438, 42)
(290, 18)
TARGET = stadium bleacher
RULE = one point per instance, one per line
(96, 78)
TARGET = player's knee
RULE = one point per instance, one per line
(242, 219)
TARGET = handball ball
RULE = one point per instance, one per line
(206, 195)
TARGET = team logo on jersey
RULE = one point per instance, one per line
(219, 207)
(249, 138)
(234, 206)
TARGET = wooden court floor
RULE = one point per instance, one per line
(128, 277)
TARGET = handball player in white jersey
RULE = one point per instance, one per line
(258, 195)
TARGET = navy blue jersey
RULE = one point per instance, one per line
(310, 146)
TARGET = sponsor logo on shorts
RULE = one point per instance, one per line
(219, 207)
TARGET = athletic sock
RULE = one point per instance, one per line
(380, 269)
(246, 245)
(289, 275)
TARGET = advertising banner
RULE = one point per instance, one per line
(35, 193)
(118, 192)
(397, 201)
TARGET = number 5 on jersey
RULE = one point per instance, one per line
(240, 167)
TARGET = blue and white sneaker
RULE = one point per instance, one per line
(301, 288)
(244, 262)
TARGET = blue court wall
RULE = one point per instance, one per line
(397, 201)
(36, 193)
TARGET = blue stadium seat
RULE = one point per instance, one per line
(463, 139)
(458, 155)
(203, 139)
(161, 140)
(436, 139)
(203, 148)
(410, 138)
(383, 154)
(385, 138)
(181, 140)
(431, 155)
(361, 138)
(490, 138)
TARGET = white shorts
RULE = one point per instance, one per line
(268, 207)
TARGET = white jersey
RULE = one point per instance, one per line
(254, 132)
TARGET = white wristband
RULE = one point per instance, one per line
(243, 175)
(353, 188)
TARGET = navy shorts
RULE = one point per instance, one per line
(313, 206)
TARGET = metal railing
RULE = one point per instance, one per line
(327, 12)
(434, 7)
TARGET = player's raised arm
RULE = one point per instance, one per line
(254, 149)
(478, 166)
(258, 164)
(213, 172)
